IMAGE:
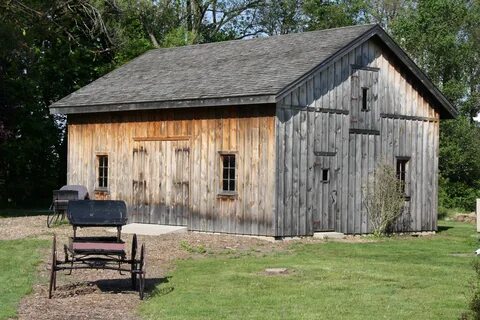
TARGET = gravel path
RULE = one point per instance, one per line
(92, 294)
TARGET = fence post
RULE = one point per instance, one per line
(478, 215)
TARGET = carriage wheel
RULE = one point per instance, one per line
(52, 218)
(142, 273)
(133, 262)
(53, 268)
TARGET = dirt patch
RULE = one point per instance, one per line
(467, 218)
(100, 294)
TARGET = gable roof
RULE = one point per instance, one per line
(225, 73)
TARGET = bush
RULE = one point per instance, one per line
(456, 194)
(474, 304)
(384, 199)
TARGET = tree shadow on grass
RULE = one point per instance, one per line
(441, 229)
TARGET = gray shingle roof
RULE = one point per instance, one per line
(252, 67)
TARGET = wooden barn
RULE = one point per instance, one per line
(273, 136)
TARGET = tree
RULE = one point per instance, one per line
(459, 165)
(281, 17)
(324, 14)
(443, 38)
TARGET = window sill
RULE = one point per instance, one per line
(227, 195)
(101, 190)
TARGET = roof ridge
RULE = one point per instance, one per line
(293, 34)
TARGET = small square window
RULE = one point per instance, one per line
(228, 173)
(102, 171)
(364, 99)
(325, 175)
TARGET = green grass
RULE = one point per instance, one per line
(398, 278)
(449, 213)
(10, 213)
(18, 262)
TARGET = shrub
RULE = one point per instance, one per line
(384, 199)
(474, 304)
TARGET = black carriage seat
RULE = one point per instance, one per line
(97, 213)
(65, 194)
(82, 191)
(62, 197)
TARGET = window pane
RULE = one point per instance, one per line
(325, 175)
(364, 98)
(228, 172)
(102, 171)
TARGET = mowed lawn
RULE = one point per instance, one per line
(398, 278)
(18, 262)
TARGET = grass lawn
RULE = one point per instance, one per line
(10, 213)
(18, 262)
(402, 278)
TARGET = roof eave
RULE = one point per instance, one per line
(171, 104)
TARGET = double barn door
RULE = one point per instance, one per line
(161, 182)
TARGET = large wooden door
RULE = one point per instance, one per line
(326, 205)
(161, 183)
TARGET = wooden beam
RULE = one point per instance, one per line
(313, 109)
(405, 117)
(364, 131)
(358, 67)
(324, 154)
(162, 138)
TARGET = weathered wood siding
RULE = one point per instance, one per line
(320, 124)
(166, 164)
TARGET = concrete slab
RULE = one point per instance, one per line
(149, 229)
(329, 235)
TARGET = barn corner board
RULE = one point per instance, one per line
(278, 138)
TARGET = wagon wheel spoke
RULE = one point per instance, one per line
(53, 268)
(143, 271)
(133, 262)
(50, 218)
(54, 217)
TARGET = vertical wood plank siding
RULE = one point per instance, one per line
(154, 156)
(314, 130)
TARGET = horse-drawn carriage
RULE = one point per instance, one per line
(106, 252)
(60, 199)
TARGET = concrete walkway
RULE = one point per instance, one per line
(149, 229)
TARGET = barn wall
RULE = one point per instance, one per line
(248, 131)
(319, 125)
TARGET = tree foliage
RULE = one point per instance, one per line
(50, 48)
(443, 37)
